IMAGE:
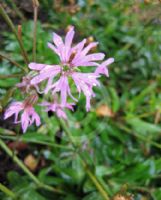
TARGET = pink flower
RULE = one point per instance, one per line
(85, 82)
(26, 85)
(71, 57)
(65, 51)
(28, 117)
(57, 108)
(102, 68)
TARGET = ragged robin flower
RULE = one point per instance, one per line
(71, 58)
(57, 108)
(28, 114)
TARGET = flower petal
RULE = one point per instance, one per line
(85, 82)
(88, 48)
(36, 66)
(102, 68)
(51, 46)
(69, 37)
(57, 40)
(25, 121)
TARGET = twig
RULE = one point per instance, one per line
(7, 191)
(93, 178)
(11, 25)
(27, 171)
(35, 6)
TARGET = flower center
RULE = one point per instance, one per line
(66, 68)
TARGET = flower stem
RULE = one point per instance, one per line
(27, 171)
(13, 138)
(11, 25)
(7, 191)
(93, 178)
(35, 6)
(10, 76)
(12, 62)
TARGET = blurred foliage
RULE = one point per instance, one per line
(122, 148)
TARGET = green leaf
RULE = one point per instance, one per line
(142, 127)
(30, 193)
(156, 194)
(114, 99)
(93, 196)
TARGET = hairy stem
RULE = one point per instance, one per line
(27, 171)
(35, 6)
(7, 191)
(11, 25)
(93, 178)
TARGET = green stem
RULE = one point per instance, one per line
(93, 178)
(26, 170)
(7, 191)
(13, 138)
(11, 25)
(35, 5)
(12, 62)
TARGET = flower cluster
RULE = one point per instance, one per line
(58, 79)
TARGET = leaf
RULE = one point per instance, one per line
(115, 101)
(7, 83)
(21, 181)
(102, 171)
(45, 177)
(142, 127)
(29, 137)
(31, 193)
(156, 194)
(93, 196)
(138, 99)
